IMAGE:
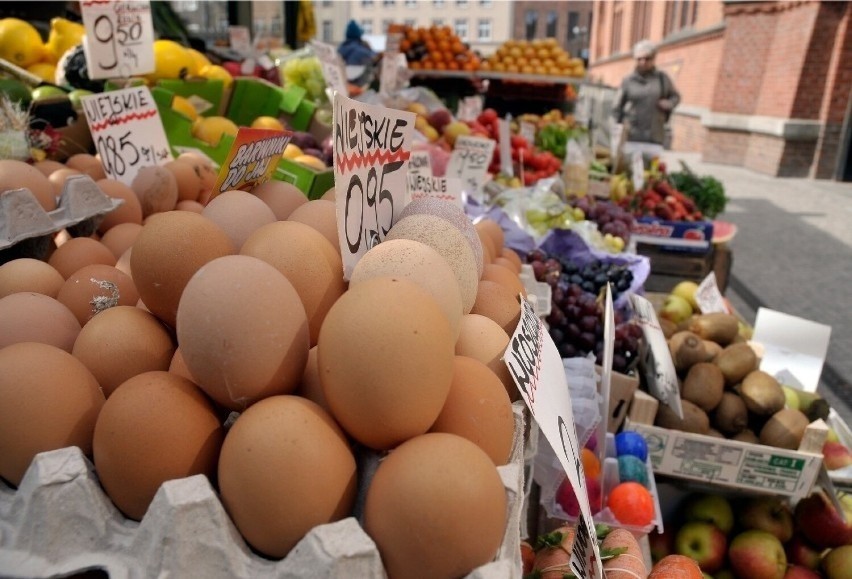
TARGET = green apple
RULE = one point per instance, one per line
(704, 543)
(46, 92)
(75, 95)
(675, 308)
(831, 436)
(791, 397)
(687, 290)
(708, 508)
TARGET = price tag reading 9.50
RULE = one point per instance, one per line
(469, 161)
(372, 145)
(119, 39)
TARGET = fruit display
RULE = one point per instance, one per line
(613, 221)
(435, 48)
(303, 69)
(542, 56)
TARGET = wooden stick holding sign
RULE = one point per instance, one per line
(372, 145)
(536, 368)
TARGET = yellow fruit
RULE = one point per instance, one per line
(183, 106)
(199, 61)
(211, 129)
(171, 60)
(311, 161)
(291, 151)
(216, 72)
(43, 70)
(267, 123)
(63, 35)
(20, 42)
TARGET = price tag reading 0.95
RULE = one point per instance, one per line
(119, 38)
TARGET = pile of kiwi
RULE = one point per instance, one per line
(723, 393)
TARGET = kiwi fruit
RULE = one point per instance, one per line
(746, 435)
(717, 327)
(731, 415)
(736, 361)
(704, 385)
(686, 349)
(712, 349)
(762, 393)
(694, 419)
(715, 433)
(784, 429)
(668, 327)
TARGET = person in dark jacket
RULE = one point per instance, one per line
(645, 100)
(355, 50)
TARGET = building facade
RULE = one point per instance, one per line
(764, 85)
(568, 22)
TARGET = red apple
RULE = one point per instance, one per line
(704, 543)
(440, 118)
(767, 513)
(798, 572)
(711, 509)
(835, 455)
(821, 524)
(837, 564)
(802, 553)
(757, 555)
(661, 544)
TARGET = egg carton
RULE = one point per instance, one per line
(26, 228)
(59, 522)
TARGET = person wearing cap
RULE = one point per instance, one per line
(355, 50)
(645, 100)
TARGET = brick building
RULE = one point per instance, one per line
(568, 22)
(765, 85)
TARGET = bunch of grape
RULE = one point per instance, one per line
(576, 315)
(612, 220)
(305, 72)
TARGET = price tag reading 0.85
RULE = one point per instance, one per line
(119, 38)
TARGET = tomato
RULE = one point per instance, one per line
(519, 142)
(487, 116)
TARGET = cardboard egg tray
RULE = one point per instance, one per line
(26, 228)
(60, 522)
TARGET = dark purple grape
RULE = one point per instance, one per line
(588, 323)
(557, 335)
(558, 295)
(587, 340)
(538, 270)
(567, 350)
(572, 331)
(551, 278)
(552, 264)
(536, 255)
(556, 317)
(619, 363)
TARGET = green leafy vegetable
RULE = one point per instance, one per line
(707, 191)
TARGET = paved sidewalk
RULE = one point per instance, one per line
(793, 254)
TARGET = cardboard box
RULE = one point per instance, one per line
(621, 391)
(683, 236)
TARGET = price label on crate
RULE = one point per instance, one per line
(537, 370)
(251, 161)
(469, 161)
(127, 131)
(426, 186)
(119, 40)
(372, 145)
(332, 66)
(420, 163)
(709, 298)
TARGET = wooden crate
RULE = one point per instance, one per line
(668, 268)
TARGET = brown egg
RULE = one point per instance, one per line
(155, 427)
(483, 339)
(156, 188)
(478, 409)
(19, 175)
(417, 262)
(123, 342)
(238, 214)
(452, 213)
(130, 211)
(120, 238)
(95, 288)
(310, 386)
(34, 317)
(242, 331)
(450, 243)
(189, 183)
(29, 275)
(329, 195)
(512, 256)
(79, 252)
(57, 179)
(494, 232)
(282, 197)
(505, 277)
(47, 166)
(322, 216)
(308, 261)
(487, 250)
(178, 366)
(204, 169)
(170, 249)
(193, 206)
(285, 468)
(494, 301)
(123, 263)
(86, 164)
(508, 264)
(48, 401)
(445, 491)
(385, 357)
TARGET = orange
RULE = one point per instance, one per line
(632, 504)
(591, 464)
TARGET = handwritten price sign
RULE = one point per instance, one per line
(536, 368)
(119, 39)
(426, 186)
(252, 159)
(127, 131)
(372, 145)
(469, 161)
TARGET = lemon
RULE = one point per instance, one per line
(20, 42)
(43, 70)
(216, 72)
(211, 129)
(199, 60)
(171, 60)
(265, 122)
(291, 151)
(183, 106)
(63, 35)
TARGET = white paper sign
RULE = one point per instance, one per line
(606, 372)
(392, 77)
(637, 167)
(372, 145)
(239, 38)
(469, 161)
(709, 298)
(505, 138)
(420, 163)
(426, 186)
(537, 370)
(660, 372)
(127, 131)
(793, 344)
(119, 40)
(527, 131)
(332, 66)
(469, 108)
